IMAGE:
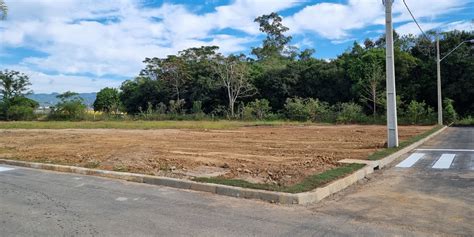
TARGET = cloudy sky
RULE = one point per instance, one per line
(85, 45)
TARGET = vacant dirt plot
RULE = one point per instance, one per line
(284, 154)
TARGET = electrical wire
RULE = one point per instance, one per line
(414, 19)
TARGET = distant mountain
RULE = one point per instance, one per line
(46, 100)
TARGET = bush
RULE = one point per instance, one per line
(297, 109)
(176, 106)
(449, 114)
(258, 109)
(418, 112)
(350, 113)
(320, 111)
(21, 112)
(161, 108)
(70, 107)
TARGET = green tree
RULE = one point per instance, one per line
(71, 106)
(276, 41)
(137, 94)
(13, 87)
(368, 74)
(107, 100)
(172, 70)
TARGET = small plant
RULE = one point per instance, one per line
(120, 168)
(449, 113)
(92, 164)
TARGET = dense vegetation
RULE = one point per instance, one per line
(278, 81)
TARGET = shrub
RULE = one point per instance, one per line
(176, 106)
(197, 107)
(319, 111)
(258, 109)
(350, 113)
(161, 108)
(297, 109)
(21, 112)
(449, 113)
(70, 107)
(20, 108)
(419, 112)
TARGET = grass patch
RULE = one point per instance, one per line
(465, 122)
(388, 151)
(220, 124)
(308, 184)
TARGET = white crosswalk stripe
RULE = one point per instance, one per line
(411, 160)
(444, 162)
(454, 161)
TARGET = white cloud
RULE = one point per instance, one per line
(335, 21)
(112, 37)
(47, 83)
(412, 28)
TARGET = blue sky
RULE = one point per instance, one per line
(85, 45)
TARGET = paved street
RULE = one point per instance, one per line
(428, 192)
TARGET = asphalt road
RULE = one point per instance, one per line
(415, 200)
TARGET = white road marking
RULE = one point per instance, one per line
(121, 199)
(411, 160)
(447, 150)
(5, 169)
(444, 162)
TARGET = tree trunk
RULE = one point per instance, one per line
(374, 99)
(231, 106)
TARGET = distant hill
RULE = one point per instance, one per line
(46, 100)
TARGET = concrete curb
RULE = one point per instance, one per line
(313, 196)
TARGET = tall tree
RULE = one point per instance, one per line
(107, 100)
(276, 41)
(367, 73)
(13, 85)
(234, 75)
(172, 69)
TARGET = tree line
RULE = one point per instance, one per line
(280, 81)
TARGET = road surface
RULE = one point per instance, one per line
(428, 192)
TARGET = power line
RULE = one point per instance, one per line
(414, 19)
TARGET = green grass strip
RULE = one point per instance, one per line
(308, 184)
(388, 151)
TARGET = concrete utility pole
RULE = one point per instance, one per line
(438, 69)
(438, 73)
(392, 124)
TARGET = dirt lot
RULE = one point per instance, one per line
(284, 154)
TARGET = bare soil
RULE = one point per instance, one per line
(282, 154)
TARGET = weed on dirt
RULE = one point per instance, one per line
(308, 184)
